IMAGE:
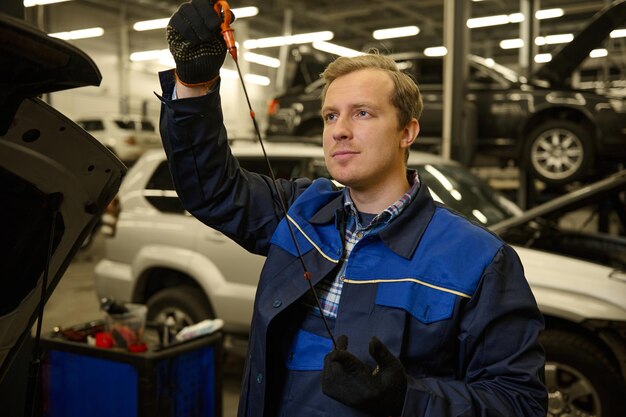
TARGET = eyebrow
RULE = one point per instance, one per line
(353, 106)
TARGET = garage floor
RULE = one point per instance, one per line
(75, 297)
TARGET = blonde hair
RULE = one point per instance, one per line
(405, 97)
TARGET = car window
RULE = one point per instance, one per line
(125, 124)
(147, 126)
(465, 193)
(160, 191)
(91, 125)
(286, 168)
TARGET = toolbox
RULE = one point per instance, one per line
(183, 379)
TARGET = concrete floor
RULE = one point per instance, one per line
(74, 301)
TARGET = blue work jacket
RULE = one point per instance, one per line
(445, 296)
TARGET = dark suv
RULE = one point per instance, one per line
(560, 133)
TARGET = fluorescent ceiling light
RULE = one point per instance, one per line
(155, 54)
(78, 34)
(399, 32)
(435, 51)
(479, 22)
(250, 78)
(288, 40)
(511, 43)
(167, 61)
(501, 19)
(618, 33)
(539, 41)
(31, 3)
(554, 39)
(268, 61)
(239, 13)
(549, 13)
(598, 53)
(151, 24)
(542, 58)
(331, 48)
(256, 79)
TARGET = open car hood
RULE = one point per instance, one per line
(569, 56)
(56, 179)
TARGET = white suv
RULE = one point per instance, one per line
(127, 136)
(158, 254)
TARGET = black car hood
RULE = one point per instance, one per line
(32, 63)
(569, 56)
(56, 179)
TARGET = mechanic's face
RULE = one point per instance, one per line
(363, 144)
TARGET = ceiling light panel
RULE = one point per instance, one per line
(79, 34)
(268, 61)
(436, 51)
(331, 48)
(31, 3)
(239, 13)
(399, 32)
(288, 40)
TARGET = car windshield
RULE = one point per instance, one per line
(465, 193)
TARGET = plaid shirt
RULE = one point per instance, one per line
(329, 289)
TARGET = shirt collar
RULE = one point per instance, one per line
(390, 212)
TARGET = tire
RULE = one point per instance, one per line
(187, 304)
(581, 380)
(559, 152)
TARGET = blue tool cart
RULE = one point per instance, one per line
(183, 379)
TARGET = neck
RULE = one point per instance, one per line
(376, 199)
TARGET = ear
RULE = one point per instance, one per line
(409, 133)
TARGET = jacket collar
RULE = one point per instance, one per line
(415, 217)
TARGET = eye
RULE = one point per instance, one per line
(362, 113)
(329, 117)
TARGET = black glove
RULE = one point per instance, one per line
(194, 38)
(377, 391)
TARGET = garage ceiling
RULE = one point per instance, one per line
(353, 21)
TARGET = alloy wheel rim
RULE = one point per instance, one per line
(570, 393)
(557, 154)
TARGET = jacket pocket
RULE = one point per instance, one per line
(426, 304)
(308, 351)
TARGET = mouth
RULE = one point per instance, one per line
(343, 154)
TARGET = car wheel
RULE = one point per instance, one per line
(186, 304)
(580, 378)
(559, 152)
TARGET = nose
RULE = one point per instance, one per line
(342, 128)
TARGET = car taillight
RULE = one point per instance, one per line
(130, 140)
(110, 217)
(272, 107)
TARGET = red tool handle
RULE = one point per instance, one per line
(222, 9)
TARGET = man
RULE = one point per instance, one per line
(433, 313)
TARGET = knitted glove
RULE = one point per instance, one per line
(194, 39)
(379, 391)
